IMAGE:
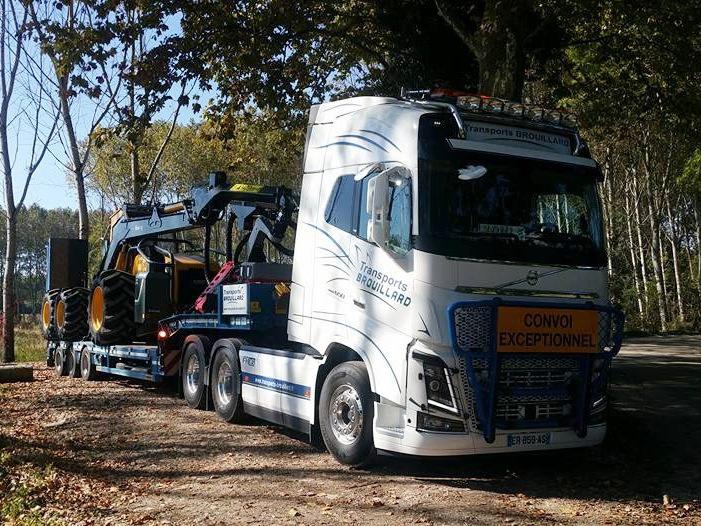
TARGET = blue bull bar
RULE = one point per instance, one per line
(474, 329)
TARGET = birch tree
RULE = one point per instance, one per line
(22, 113)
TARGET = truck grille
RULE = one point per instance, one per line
(521, 390)
(527, 376)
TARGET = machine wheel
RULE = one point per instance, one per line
(193, 373)
(59, 363)
(48, 314)
(72, 370)
(72, 314)
(111, 310)
(346, 409)
(226, 380)
(87, 368)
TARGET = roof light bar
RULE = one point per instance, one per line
(494, 105)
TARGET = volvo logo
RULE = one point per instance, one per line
(532, 277)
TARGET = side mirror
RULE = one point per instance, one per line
(377, 207)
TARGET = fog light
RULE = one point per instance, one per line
(426, 422)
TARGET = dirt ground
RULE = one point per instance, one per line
(118, 452)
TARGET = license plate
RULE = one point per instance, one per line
(532, 329)
(527, 439)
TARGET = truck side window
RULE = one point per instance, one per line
(400, 216)
(339, 210)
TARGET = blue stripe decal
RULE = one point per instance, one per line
(273, 384)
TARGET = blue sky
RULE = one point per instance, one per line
(50, 186)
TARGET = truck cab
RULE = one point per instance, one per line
(455, 244)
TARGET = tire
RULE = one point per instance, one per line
(193, 371)
(48, 314)
(49, 355)
(111, 309)
(346, 410)
(72, 368)
(225, 380)
(87, 367)
(72, 314)
(59, 363)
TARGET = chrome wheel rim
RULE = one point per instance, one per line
(192, 374)
(84, 363)
(225, 383)
(346, 414)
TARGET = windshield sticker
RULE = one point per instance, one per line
(519, 137)
(516, 230)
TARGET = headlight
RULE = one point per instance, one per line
(439, 388)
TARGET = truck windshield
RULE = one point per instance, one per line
(504, 208)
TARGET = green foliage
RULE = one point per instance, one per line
(30, 346)
(690, 178)
(24, 492)
(255, 149)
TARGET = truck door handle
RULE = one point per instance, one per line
(359, 304)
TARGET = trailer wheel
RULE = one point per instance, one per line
(72, 314)
(48, 314)
(87, 368)
(226, 380)
(72, 370)
(111, 310)
(346, 409)
(59, 363)
(193, 374)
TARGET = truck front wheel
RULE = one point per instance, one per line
(226, 380)
(346, 409)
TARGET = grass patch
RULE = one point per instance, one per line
(30, 346)
(23, 491)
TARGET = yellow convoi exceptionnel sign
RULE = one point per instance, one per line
(529, 329)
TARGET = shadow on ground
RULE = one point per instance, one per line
(651, 449)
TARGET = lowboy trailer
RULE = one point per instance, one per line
(447, 293)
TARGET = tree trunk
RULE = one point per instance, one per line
(639, 235)
(675, 262)
(138, 185)
(697, 220)
(663, 273)
(8, 289)
(633, 260)
(608, 210)
(77, 166)
(653, 219)
(501, 60)
(498, 44)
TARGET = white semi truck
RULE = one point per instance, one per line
(447, 294)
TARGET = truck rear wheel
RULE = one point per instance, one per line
(48, 314)
(346, 409)
(226, 380)
(72, 314)
(87, 368)
(72, 368)
(193, 374)
(59, 363)
(111, 310)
